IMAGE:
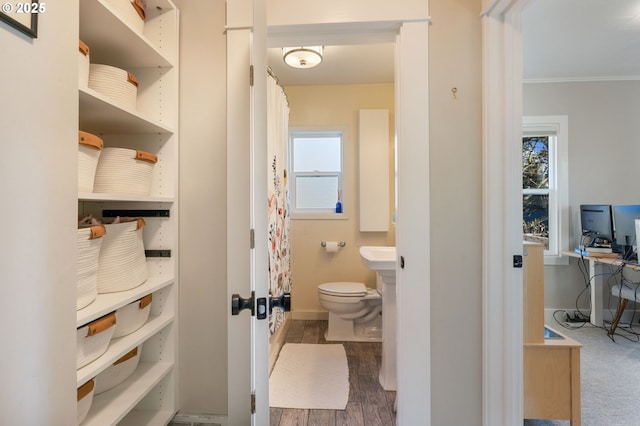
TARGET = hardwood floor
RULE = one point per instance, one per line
(368, 404)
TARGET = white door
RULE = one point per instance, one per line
(247, 273)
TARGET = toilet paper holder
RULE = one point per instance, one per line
(340, 243)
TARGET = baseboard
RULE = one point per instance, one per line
(198, 420)
(627, 316)
(276, 341)
(310, 315)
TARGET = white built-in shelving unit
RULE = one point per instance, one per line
(149, 396)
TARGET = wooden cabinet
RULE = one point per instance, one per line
(551, 365)
(148, 397)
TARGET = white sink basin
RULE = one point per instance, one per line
(379, 258)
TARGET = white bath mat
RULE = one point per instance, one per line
(310, 376)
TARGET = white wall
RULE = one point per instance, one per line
(603, 160)
(203, 235)
(38, 175)
(456, 206)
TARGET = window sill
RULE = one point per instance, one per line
(318, 216)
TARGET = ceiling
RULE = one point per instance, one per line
(581, 40)
(562, 40)
(345, 64)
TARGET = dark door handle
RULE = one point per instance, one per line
(283, 302)
(239, 304)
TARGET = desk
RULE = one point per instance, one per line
(551, 364)
(598, 276)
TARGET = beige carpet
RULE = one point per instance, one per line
(310, 376)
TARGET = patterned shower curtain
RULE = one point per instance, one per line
(278, 203)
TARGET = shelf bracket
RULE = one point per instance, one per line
(136, 213)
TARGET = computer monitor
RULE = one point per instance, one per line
(624, 230)
(596, 221)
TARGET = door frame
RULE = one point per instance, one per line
(502, 361)
(412, 233)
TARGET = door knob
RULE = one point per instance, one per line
(239, 304)
(283, 301)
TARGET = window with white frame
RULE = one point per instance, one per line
(316, 172)
(545, 184)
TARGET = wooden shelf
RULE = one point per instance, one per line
(113, 42)
(98, 114)
(110, 407)
(118, 347)
(96, 196)
(109, 302)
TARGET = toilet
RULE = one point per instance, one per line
(354, 311)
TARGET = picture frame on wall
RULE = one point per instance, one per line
(22, 15)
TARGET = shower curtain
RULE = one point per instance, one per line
(278, 193)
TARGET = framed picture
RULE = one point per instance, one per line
(22, 16)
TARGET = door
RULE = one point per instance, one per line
(247, 270)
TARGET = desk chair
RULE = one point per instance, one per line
(625, 292)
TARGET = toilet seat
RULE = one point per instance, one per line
(343, 289)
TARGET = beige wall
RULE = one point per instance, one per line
(456, 212)
(38, 182)
(318, 106)
(203, 225)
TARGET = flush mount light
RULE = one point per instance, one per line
(302, 57)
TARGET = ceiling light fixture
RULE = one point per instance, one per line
(302, 57)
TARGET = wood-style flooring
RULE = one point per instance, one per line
(368, 404)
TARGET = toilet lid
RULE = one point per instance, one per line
(343, 288)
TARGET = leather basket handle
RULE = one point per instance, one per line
(101, 324)
(92, 141)
(145, 301)
(97, 231)
(132, 353)
(139, 7)
(132, 79)
(85, 389)
(146, 156)
(84, 49)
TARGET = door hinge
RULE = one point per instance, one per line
(252, 238)
(253, 402)
(251, 75)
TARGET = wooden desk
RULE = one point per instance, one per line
(552, 380)
(551, 366)
(598, 276)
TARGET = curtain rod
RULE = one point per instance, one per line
(273, 74)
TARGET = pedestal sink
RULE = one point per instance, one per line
(382, 260)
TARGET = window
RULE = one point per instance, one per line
(316, 173)
(545, 184)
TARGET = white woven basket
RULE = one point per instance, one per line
(132, 12)
(131, 317)
(83, 64)
(89, 149)
(124, 171)
(92, 340)
(119, 371)
(85, 399)
(122, 264)
(89, 241)
(115, 83)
